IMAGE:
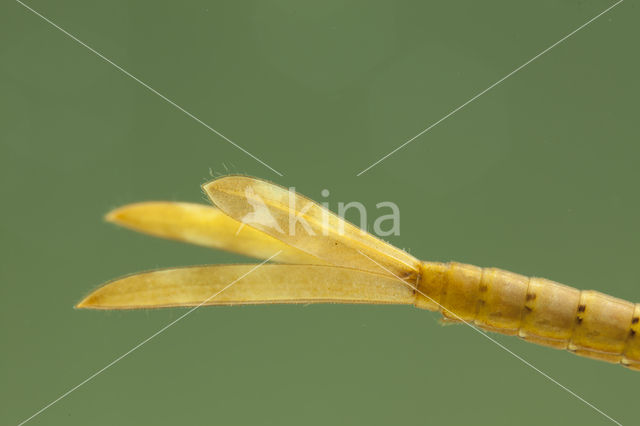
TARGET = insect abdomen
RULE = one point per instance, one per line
(587, 322)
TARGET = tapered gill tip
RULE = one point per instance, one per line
(131, 213)
(93, 300)
(213, 188)
(207, 187)
(226, 185)
(217, 183)
(115, 215)
(84, 303)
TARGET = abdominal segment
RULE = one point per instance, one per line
(587, 323)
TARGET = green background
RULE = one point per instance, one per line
(538, 176)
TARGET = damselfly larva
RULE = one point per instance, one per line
(331, 261)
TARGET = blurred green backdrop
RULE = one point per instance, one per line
(539, 175)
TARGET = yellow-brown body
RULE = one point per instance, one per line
(541, 311)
